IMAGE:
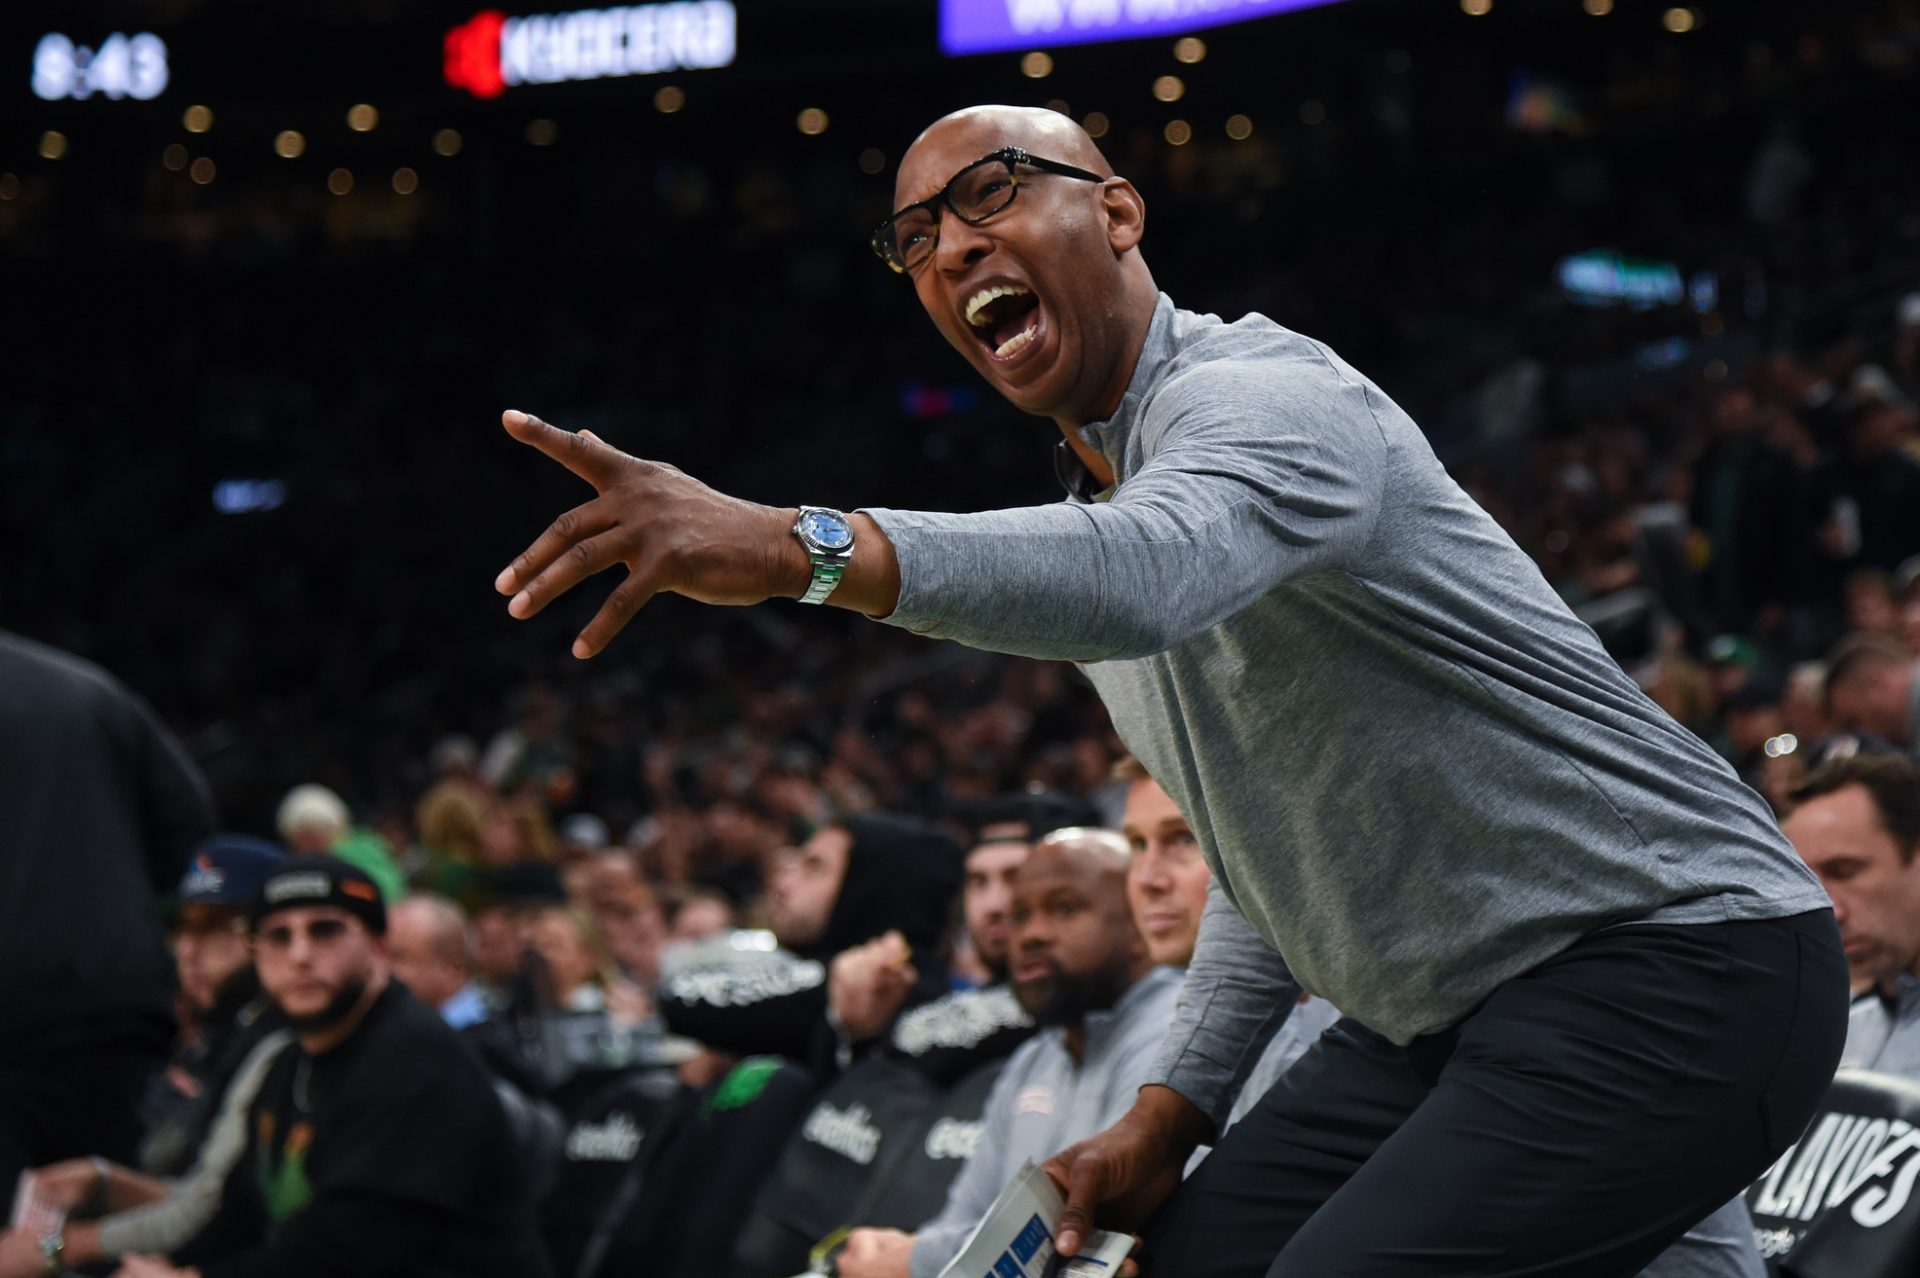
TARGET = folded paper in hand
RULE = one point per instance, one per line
(34, 1211)
(1015, 1240)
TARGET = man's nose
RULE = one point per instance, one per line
(960, 244)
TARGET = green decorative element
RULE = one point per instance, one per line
(371, 853)
(743, 1086)
(286, 1191)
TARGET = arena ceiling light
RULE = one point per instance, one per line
(491, 52)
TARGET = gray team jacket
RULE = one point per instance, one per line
(1414, 772)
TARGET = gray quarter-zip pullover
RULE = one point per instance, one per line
(1414, 772)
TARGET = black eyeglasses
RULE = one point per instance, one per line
(974, 194)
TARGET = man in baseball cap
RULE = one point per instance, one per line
(321, 881)
(376, 1144)
(222, 994)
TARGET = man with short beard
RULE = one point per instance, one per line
(376, 1143)
(967, 1028)
(1081, 970)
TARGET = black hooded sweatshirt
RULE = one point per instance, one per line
(902, 875)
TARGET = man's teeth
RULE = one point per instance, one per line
(979, 300)
(1015, 342)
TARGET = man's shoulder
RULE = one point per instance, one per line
(1251, 360)
(1045, 1050)
(405, 1044)
(53, 670)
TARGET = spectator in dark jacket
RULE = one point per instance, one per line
(860, 878)
(103, 808)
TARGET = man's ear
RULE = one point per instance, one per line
(1126, 214)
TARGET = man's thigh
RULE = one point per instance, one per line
(1594, 1109)
(1319, 1123)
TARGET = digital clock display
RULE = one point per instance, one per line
(122, 67)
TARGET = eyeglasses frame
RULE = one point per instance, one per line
(1011, 156)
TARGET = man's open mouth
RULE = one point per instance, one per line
(1004, 317)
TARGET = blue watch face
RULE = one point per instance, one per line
(826, 530)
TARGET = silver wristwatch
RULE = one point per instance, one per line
(827, 536)
(53, 1250)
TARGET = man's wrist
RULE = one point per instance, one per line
(53, 1250)
(102, 1184)
(792, 568)
(1172, 1116)
(83, 1243)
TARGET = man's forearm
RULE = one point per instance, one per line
(123, 1189)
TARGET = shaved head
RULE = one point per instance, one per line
(1075, 947)
(1045, 293)
(1035, 129)
(1095, 851)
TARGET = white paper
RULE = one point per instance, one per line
(1016, 1238)
(33, 1213)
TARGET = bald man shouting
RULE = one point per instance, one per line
(1600, 989)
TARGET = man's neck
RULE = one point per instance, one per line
(1136, 321)
(1090, 457)
(318, 1042)
(1076, 1033)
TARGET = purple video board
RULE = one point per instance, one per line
(991, 26)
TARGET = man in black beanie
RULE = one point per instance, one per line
(376, 1144)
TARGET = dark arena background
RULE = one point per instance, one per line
(1646, 275)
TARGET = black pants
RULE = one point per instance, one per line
(1575, 1124)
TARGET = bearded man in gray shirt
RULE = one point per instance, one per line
(1080, 969)
(1590, 992)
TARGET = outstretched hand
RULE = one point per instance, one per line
(670, 531)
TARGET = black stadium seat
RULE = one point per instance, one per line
(1841, 1203)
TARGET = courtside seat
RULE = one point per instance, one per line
(537, 1133)
(1842, 1203)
